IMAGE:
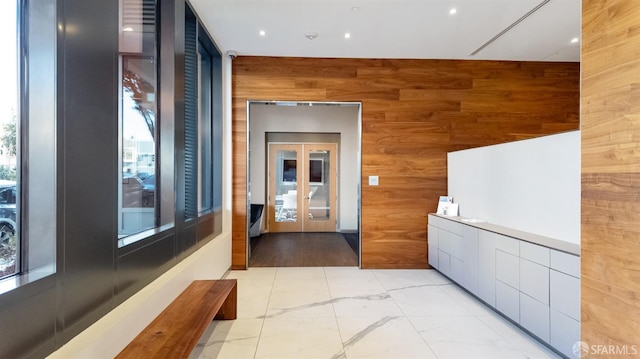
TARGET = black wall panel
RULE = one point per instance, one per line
(28, 319)
(90, 113)
(136, 268)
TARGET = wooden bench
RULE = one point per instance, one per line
(176, 331)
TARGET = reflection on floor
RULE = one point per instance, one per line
(301, 250)
(344, 312)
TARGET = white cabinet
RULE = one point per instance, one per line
(533, 285)
(446, 247)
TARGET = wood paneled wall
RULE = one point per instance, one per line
(413, 113)
(611, 172)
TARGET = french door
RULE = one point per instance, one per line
(302, 187)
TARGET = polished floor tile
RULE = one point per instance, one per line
(348, 313)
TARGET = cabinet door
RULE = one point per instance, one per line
(508, 301)
(470, 259)
(457, 270)
(457, 245)
(487, 267)
(565, 294)
(565, 332)
(444, 241)
(433, 256)
(443, 263)
(534, 316)
(432, 238)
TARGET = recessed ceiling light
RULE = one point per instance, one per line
(575, 40)
(263, 33)
(453, 11)
(355, 8)
(347, 35)
(127, 29)
(311, 35)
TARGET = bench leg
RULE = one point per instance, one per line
(229, 309)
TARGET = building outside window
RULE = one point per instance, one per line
(138, 204)
(9, 150)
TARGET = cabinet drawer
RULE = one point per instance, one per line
(439, 222)
(508, 245)
(456, 227)
(565, 294)
(508, 301)
(432, 235)
(534, 316)
(507, 268)
(565, 263)
(534, 280)
(535, 253)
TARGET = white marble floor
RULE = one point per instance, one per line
(332, 313)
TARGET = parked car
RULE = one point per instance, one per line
(7, 210)
(138, 192)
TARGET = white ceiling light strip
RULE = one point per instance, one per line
(510, 27)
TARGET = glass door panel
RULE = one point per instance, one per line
(285, 172)
(320, 188)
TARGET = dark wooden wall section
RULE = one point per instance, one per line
(610, 172)
(413, 113)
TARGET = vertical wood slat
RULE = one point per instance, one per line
(413, 113)
(610, 123)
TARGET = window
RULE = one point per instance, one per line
(203, 121)
(138, 204)
(9, 150)
(205, 148)
(28, 96)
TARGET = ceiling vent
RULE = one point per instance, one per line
(510, 27)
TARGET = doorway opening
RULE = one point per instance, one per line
(303, 176)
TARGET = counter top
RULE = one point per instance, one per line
(563, 246)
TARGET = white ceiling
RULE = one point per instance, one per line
(417, 29)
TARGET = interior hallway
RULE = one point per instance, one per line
(344, 312)
(303, 250)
